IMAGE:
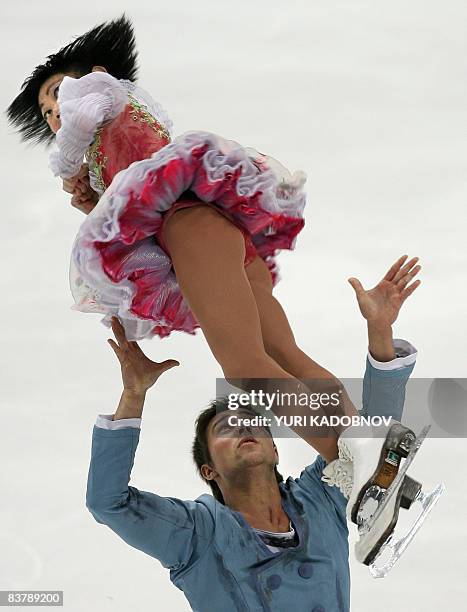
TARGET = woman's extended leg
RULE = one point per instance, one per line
(207, 253)
(278, 338)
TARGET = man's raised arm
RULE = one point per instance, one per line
(389, 362)
(173, 531)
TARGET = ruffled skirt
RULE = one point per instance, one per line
(119, 264)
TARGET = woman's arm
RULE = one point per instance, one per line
(85, 104)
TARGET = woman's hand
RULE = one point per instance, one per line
(380, 306)
(84, 197)
(85, 202)
(139, 373)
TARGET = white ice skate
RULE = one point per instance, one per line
(370, 474)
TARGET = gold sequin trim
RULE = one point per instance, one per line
(97, 161)
(141, 113)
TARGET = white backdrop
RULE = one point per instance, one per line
(369, 99)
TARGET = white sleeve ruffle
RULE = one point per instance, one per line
(84, 104)
(157, 111)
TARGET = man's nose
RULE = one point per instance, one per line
(244, 429)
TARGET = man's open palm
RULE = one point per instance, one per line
(380, 305)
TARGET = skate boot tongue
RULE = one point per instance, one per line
(340, 474)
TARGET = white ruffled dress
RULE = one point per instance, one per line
(119, 263)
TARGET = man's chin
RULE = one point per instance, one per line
(251, 458)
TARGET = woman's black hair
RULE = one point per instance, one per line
(110, 44)
(200, 449)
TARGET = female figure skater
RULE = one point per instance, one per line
(210, 265)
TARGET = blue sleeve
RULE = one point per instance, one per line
(173, 531)
(384, 391)
(332, 497)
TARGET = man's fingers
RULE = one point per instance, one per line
(119, 332)
(356, 284)
(408, 277)
(115, 347)
(410, 289)
(168, 363)
(405, 270)
(390, 274)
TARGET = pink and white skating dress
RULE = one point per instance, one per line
(119, 262)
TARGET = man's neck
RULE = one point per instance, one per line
(257, 497)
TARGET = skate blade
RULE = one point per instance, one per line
(397, 547)
(396, 483)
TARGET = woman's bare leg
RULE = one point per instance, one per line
(207, 253)
(278, 338)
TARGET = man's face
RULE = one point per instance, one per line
(237, 446)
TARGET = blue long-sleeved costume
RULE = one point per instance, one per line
(214, 556)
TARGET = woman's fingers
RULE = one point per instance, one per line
(82, 186)
(75, 186)
(69, 185)
(84, 197)
(79, 189)
(84, 170)
(83, 204)
(78, 181)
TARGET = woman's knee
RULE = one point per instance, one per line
(292, 359)
(287, 354)
(249, 365)
(259, 275)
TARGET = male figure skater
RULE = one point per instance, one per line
(259, 543)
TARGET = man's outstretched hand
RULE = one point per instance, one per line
(139, 373)
(380, 306)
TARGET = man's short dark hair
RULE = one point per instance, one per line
(200, 449)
